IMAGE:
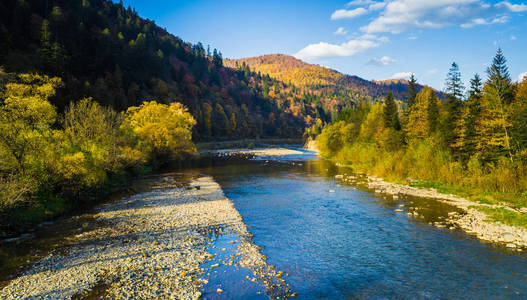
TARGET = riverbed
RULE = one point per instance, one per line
(271, 226)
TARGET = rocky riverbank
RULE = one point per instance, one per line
(151, 246)
(259, 152)
(472, 220)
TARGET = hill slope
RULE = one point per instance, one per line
(106, 51)
(292, 70)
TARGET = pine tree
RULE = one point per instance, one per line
(450, 127)
(499, 78)
(432, 112)
(412, 90)
(391, 116)
(454, 85)
(468, 140)
(494, 126)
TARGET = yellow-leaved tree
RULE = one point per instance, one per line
(26, 117)
(161, 131)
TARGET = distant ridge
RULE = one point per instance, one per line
(289, 69)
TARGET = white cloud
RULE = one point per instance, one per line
(512, 7)
(383, 61)
(341, 31)
(481, 21)
(397, 16)
(513, 37)
(474, 22)
(360, 2)
(377, 6)
(521, 76)
(413, 37)
(401, 75)
(367, 36)
(348, 14)
(431, 72)
(323, 49)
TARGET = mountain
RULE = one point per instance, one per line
(106, 51)
(317, 78)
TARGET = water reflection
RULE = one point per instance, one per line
(342, 241)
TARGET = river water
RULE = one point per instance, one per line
(331, 240)
(339, 241)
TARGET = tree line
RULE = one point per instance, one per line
(51, 162)
(475, 138)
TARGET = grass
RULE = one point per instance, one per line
(515, 200)
(505, 216)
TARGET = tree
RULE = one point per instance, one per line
(518, 117)
(423, 115)
(391, 115)
(453, 85)
(163, 130)
(468, 140)
(412, 90)
(26, 117)
(450, 125)
(494, 126)
(499, 78)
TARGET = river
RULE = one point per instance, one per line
(336, 241)
(342, 241)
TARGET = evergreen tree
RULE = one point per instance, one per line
(468, 140)
(450, 125)
(499, 78)
(454, 85)
(493, 127)
(391, 116)
(412, 90)
(432, 112)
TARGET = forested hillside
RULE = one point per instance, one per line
(322, 81)
(106, 51)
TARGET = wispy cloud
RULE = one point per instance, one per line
(431, 72)
(383, 61)
(340, 31)
(482, 21)
(348, 14)
(324, 50)
(513, 37)
(512, 7)
(401, 75)
(521, 76)
(360, 2)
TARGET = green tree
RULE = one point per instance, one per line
(450, 124)
(499, 78)
(494, 125)
(412, 90)
(391, 115)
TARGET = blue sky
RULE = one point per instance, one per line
(371, 39)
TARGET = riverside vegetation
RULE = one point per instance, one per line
(473, 144)
(51, 163)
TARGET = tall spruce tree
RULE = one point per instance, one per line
(468, 140)
(493, 126)
(391, 116)
(500, 79)
(412, 90)
(453, 106)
